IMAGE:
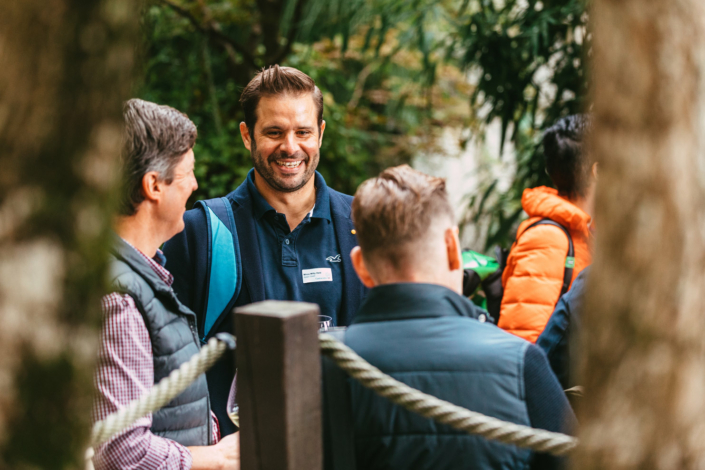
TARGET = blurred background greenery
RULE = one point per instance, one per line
(394, 74)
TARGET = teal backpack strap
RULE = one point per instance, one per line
(224, 269)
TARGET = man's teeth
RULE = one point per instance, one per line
(288, 164)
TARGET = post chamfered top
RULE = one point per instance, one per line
(277, 308)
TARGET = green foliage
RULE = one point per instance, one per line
(529, 60)
(391, 72)
(372, 94)
(180, 69)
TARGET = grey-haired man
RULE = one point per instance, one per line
(147, 332)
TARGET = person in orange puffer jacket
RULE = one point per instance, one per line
(533, 278)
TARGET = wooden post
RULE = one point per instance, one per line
(279, 386)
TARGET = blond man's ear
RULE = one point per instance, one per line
(455, 260)
(361, 269)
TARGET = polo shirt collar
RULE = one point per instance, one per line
(260, 206)
(406, 301)
(322, 208)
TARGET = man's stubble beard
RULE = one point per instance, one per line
(265, 171)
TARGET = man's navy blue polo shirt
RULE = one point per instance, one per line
(304, 264)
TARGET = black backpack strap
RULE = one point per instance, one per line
(338, 431)
(570, 257)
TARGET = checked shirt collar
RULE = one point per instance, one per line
(157, 264)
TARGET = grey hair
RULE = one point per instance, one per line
(156, 138)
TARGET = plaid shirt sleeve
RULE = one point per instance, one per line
(125, 372)
(216, 429)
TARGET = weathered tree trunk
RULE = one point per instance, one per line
(65, 68)
(644, 324)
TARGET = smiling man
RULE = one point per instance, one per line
(294, 233)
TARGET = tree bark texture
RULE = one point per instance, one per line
(644, 322)
(65, 69)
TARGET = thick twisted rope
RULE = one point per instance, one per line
(165, 391)
(442, 411)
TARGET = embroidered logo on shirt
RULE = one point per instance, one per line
(334, 259)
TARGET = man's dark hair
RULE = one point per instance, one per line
(277, 80)
(156, 139)
(568, 163)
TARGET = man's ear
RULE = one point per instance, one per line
(151, 186)
(320, 137)
(246, 137)
(455, 260)
(594, 170)
(361, 268)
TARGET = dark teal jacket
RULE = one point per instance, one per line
(427, 337)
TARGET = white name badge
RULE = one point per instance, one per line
(317, 275)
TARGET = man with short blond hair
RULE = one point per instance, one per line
(417, 327)
(293, 232)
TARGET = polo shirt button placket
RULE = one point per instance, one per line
(288, 253)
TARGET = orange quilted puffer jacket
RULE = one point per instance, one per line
(533, 277)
